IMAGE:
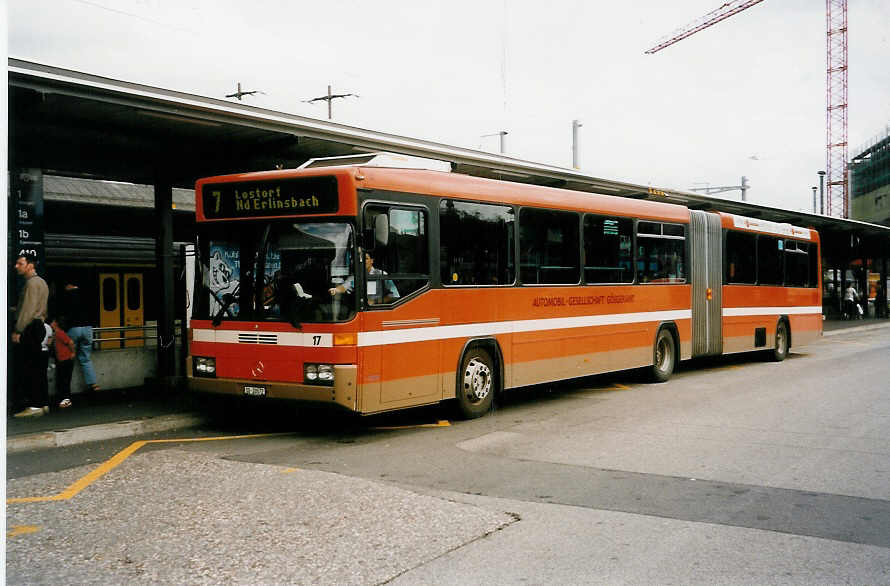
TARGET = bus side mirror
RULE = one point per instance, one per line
(381, 229)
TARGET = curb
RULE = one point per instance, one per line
(855, 329)
(104, 431)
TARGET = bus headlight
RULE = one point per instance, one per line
(326, 373)
(204, 366)
(318, 374)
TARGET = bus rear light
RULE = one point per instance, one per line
(709, 294)
(345, 339)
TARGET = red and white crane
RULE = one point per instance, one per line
(725, 11)
(837, 196)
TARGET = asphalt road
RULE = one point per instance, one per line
(737, 471)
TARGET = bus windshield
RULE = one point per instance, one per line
(275, 271)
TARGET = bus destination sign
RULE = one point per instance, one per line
(275, 197)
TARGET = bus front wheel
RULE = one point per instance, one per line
(664, 357)
(477, 383)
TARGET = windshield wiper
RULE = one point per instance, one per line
(226, 302)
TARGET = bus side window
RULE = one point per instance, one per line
(661, 252)
(608, 250)
(549, 245)
(769, 260)
(476, 243)
(404, 259)
(813, 256)
(741, 257)
(796, 263)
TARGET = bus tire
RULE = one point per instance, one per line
(476, 383)
(780, 352)
(664, 356)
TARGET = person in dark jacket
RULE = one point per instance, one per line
(880, 301)
(80, 331)
(28, 338)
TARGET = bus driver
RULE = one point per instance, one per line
(379, 291)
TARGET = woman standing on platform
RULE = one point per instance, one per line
(880, 301)
(851, 307)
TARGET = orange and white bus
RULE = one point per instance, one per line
(376, 288)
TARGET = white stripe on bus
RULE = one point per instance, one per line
(380, 338)
(746, 311)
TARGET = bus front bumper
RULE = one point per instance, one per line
(342, 393)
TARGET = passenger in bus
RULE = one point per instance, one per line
(299, 280)
(379, 291)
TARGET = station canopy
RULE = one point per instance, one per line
(74, 124)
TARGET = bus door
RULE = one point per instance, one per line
(707, 283)
(405, 372)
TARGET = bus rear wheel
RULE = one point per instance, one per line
(664, 356)
(477, 383)
(780, 352)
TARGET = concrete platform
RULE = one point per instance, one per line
(101, 416)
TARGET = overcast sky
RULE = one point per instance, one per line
(744, 97)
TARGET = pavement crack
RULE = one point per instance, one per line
(514, 518)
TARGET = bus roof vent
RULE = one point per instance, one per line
(391, 160)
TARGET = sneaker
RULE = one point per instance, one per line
(30, 412)
(65, 403)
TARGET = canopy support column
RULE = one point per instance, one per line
(163, 191)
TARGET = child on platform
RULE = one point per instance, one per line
(64, 348)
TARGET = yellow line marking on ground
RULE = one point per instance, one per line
(612, 387)
(289, 470)
(22, 530)
(440, 423)
(117, 460)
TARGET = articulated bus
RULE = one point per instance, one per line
(375, 288)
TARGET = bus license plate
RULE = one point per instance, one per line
(255, 391)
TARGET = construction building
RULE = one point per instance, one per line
(870, 181)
